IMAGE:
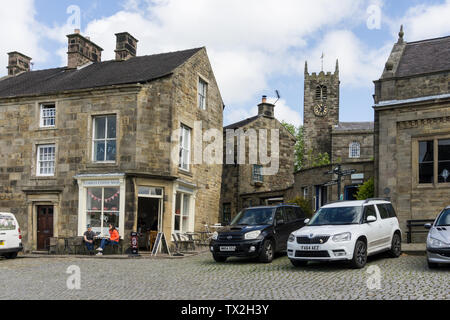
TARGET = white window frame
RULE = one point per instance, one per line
(106, 139)
(184, 213)
(257, 173)
(354, 150)
(50, 161)
(185, 148)
(202, 94)
(43, 117)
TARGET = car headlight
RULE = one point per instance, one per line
(291, 238)
(252, 235)
(215, 236)
(435, 243)
(342, 237)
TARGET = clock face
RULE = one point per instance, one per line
(320, 110)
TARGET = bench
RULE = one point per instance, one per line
(412, 226)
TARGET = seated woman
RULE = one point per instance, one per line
(114, 239)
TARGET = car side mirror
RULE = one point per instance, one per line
(428, 226)
(307, 221)
(371, 219)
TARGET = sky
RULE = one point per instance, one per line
(255, 46)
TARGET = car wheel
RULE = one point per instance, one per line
(432, 265)
(359, 260)
(396, 249)
(267, 252)
(219, 259)
(11, 255)
(298, 263)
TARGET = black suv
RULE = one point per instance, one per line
(257, 233)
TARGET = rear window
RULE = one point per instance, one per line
(7, 223)
(391, 210)
(290, 214)
(384, 213)
(299, 213)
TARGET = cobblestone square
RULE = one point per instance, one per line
(200, 278)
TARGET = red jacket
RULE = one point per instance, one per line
(114, 235)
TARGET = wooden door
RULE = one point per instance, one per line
(44, 226)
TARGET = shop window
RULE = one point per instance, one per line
(426, 162)
(105, 138)
(46, 160)
(103, 207)
(47, 116)
(182, 213)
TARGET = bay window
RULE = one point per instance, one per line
(102, 208)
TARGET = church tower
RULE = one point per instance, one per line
(321, 110)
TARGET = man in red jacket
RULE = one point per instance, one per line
(114, 239)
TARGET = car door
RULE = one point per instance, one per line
(281, 230)
(373, 230)
(387, 224)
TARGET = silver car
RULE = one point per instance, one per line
(438, 242)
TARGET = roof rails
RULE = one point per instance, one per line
(375, 199)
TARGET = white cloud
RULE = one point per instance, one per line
(19, 31)
(427, 21)
(248, 41)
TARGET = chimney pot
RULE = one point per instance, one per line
(18, 63)
(126, 46)
(264, 99)
(77, 31)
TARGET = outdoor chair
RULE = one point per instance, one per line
(186, 242)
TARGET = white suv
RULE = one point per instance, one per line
(348, 231)
(10, 236)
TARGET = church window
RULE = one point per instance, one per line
(321, 93)
(355, 150)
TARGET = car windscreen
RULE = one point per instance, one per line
(7, 223)
(337, 216)
(254, 217)
(444, 219)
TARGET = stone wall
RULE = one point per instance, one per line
(341, 143)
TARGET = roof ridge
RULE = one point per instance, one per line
(428, 40)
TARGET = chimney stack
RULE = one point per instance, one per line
(82, 50)
(126, 46)
(18, 63)
(266, 109)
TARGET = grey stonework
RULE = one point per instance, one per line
(400, 125)
(238, 188)
(146, 116)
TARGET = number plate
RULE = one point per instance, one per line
(2, 243)
(227, 249)
(310, 248)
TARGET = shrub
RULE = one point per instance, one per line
(304, 204)
(366, 190)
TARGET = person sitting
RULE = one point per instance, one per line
(89, 236)
(114, 239)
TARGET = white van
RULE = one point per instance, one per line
(10, 236)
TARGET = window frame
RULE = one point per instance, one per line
(416, 164)
(106, 139)
(202, 95)
(38, 161)
(226, 212)
(257, 177)
(102, 211)
(185, 148)
(354, 151)
(183, 213)
(42, 107)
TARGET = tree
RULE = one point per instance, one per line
(297, 132)
(366, 190)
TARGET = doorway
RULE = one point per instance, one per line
(44, 226)
(148, 221)
(351, 192)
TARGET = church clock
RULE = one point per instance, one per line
(320, 109)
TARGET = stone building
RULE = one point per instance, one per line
(349, 144)
(244, 184)
(98, 142)
(412, 128)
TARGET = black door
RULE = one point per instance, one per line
(44, 226)
(281, 230)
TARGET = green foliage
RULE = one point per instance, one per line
(318, 160)
(304, 204)
(297, 132)
(367, 190)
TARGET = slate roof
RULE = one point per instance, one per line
(425, 56)
(240, 124)
(354, 126)
(135, 70)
